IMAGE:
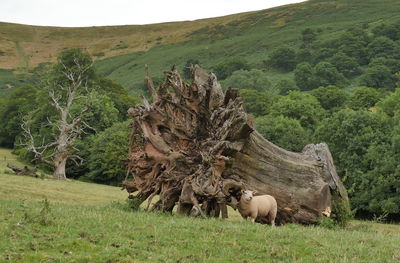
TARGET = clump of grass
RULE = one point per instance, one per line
(128, 205)
(45, 216)
(327, 222)
(341, 212)
(362, 227)
(134, 203)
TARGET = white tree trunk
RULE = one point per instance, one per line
(59, 172)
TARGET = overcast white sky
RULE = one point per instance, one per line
(78, 13)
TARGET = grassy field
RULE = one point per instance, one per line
(51, 221)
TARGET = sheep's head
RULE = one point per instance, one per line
(247, 195)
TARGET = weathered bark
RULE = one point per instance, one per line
(59, 164)
(195, 145)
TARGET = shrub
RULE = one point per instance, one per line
(226, 68)
(253, 79)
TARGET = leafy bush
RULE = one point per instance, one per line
(300, 106)
(283, 131)
(365, 155)
(283, 58)
(390, 104)
(346, 65)
(304, 76)
(363, 98)
(382, 47)
(257, 103)
(327, 74)
(106, 152)
(226, 68)
(330, 97)
(379, 77)
(253, 79)
(284, 86)
(341, 212)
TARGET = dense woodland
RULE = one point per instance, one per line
(344, 91)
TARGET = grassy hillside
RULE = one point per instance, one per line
(70, 192)
(252, 36)
(51, 221)
(24, 46)
(122, 51)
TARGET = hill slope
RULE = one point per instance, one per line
(122, 51)
(27, 46)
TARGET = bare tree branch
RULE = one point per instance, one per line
(37, 150)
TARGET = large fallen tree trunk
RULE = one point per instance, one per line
(195, 146)
(23, 171)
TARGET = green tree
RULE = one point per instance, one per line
(354, 43)
(330, 97)
(119, 96)
(102, 113)
(283, 58)
(379, 77)
(284, 86)
(257, 103)
(326, 74)
(363, 98)
(300, 106)
(346, 65)
(106, 153)
(360, 142)
(324, 54)
(254, 79)
(304, 55)
(383, 47)
(390, 104)
(308, 36)
(227, 67)
(304, 77)
(77, 64)
(283, 131)
(19, 104)
(392, 64)
(391, 31)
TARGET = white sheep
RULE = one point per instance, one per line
(263, 207)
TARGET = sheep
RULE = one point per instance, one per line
(263, 207)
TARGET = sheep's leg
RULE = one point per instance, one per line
(253, 220)
(271, 218)
(149, 201)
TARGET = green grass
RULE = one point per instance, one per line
(107, 233)
(70, 221)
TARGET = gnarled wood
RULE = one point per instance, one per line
(194, 145)
(23, 171)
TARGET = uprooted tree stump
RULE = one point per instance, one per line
(196, 147)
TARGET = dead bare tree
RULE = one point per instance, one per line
(69, 125)
(195, 146)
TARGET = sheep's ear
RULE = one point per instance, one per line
(242, 191)
(254, 192)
